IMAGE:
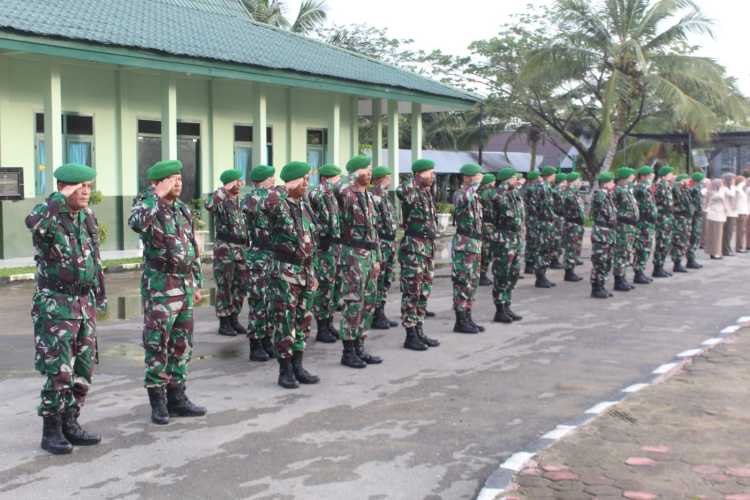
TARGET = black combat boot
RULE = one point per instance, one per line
(510, 313)
(332, 328)
(462, 324)
(641, 279)
(620, 284)
(268, 347)
(359, 347)
(236, 325)
(484, 280)
(158, 399)
(226, 328)
(286, 374)
(678, 267)
(555, 264)
(74, 433)
(501, 314)
(349, 357)
(178, 404)
(379, 321)
(529, 269)
(303, 376)
(429, 314)
(570, 275)
(471, 320)
(257, 352)
(429, 342)
(693, 264)
(599, 292)
(659, 272)
(53, 439)
(325, 334)
(541, 279)
(412, 341)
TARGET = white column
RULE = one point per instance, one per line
(393, 149)
(212, 135)
(53, 123)
(121, 161)
(169, 119)
(416, 131)
(377, 133)
(334, 134)
(5, 120)
(289, 128)
(260, 122)
(354, 139)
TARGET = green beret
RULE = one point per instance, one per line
(681, 177)
(561, 177)
(665, 170)
(698, 177)
(163, 169)
(422, 165)
(358, 162)
(488, 178)
(624, 173)
(548, 170)
(605, 177)
(74, 173)
(379, 172)
(504, 174)
(259, 173)
(533, 175)
(329, 170)
(294, 170)
(230, 175)
(471, 169)
(645, 170)
(573, 176)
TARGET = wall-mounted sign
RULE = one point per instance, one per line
(11, 183)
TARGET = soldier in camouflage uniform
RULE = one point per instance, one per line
(573, 213)
(69, 289)
(326, 260)
(696, 221)
(532, 182)
(466, 250)
(293, 281)
(627, 232)
(506, 247)
(417, 252)
(542, 206)
(260, 327)
(486, 188)
(386, 225)
(647, 212)
(230, 267)
(360, 263)
(682, 216)
(558, 194)
(664, 224)
(171, 284)
(603, 237)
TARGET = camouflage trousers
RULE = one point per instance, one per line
(696, 228)
(506, 268)
(486, 257)
(326, 266)
(231, 275)
(359, 292)
(625, 236)
(663, 244)
(544, 244)
(643, 243)
(572, 243)
(291, 313)
(532, 244)
(259, 324)
(387, 268)
(556, 248)
(167, 338)
(416, 286)
(603, 241)
(66, 352)
(680, 237)
(465, 268)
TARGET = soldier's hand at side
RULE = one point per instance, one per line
(376, 268)
(69, 189)
(197, 296)
(163, 187)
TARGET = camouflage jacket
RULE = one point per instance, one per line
(627, 206)
(603, 210)
(385, 221)
(558, 195)
(68, 262)
(358, 221)
(172, 265)
(488, 219)
(292, 229)
(663, 197)
(574, 210)
(258, 226)
(468, 216)
(326, 208)
(508, 213)
(521, 202)
(696, 199)
(419, 219)
(229, 222)
(644, 195)
(683, 204)
(541, 202)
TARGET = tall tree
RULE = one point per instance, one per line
(312, 14)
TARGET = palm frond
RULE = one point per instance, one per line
(312, 13)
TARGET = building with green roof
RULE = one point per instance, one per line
(119, 85)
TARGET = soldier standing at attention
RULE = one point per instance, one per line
(69, 289)
(532, 225)
(683, 215)
(574, 213)
(260, 329)
(647, 213)
(417, 252)
(558, 193)
(518, 193)
(543, 208)
(486, 188)
(171, 284)
(696, 221)
(626, 233)
(386, 225)
(293, 282)
(665, 222)
(326, 260)
(230, 267)
(466, 251)
(603, 238)
(360, 263)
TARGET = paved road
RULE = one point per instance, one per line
(421, 425)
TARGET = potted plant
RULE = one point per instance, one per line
(444, 213)
(200, 225)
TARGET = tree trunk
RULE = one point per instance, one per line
(611, 151)
(532, 165)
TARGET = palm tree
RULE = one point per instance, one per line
(534, 134)
(312, 14)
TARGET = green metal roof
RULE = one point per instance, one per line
(217, 30)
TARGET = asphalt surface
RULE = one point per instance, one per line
(421, 425)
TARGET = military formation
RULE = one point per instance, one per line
(295, 254)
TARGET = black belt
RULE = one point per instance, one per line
(231, 238)
(469, 234)
(367, 245)
(283, 255)
(326, 242)
(169, 267)
(416, 233)
(76, 289)
(387, 237)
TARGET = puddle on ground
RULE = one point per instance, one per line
(130, 306)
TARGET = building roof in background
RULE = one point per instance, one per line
(546, 148)
(217, 30)
(450, 162)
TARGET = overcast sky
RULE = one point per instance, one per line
(452, 26)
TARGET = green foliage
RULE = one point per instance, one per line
(196, 209)
(311, 15)
(96, 198)
(445, 208)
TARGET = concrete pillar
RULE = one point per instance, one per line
(377, 131)
(393, 149)
(53, 140)
(416, 131)
(169, 119)
(121, 163)
(289, 129)
(334, 134)
(212, 136)
(354, 139)
(260, 122)
(29, 179)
